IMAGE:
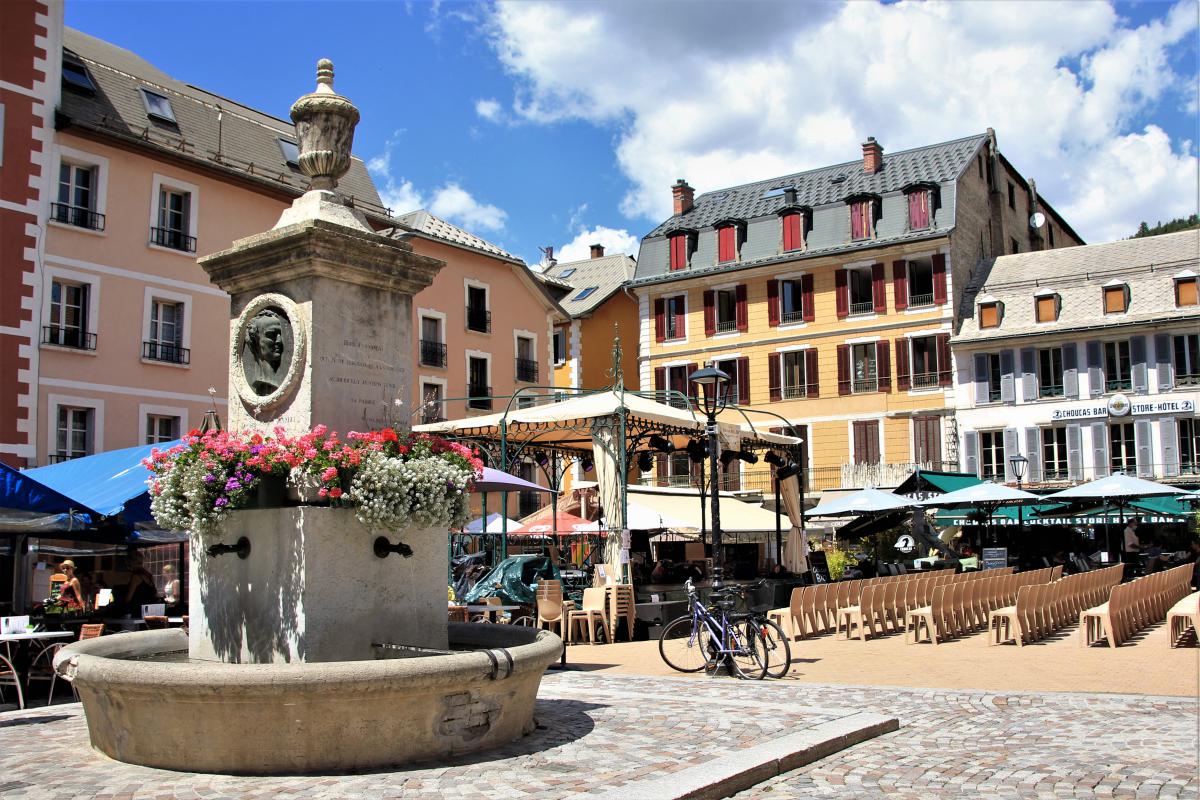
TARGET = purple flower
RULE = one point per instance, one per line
(221, 501)
(232, 485)
(209, 478)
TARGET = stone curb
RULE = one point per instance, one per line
(737, 772)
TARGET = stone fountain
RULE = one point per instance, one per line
(281, 670)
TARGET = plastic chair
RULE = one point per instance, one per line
(1183, 615)
(41, 668)
(590, 614)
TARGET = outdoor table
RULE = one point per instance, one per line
(32, 636)
(491, 610)
(136, 622)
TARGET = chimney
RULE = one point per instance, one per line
(682, 194)
(872, 156)
(597, 251)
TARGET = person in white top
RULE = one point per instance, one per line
(1132, 548)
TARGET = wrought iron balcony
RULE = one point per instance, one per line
(1050, 390)
(479, 320)
(68, 337)
(920, 300)
(527, 370)
(480, 397)
(862, 385)
(794, 392)
(433, 354)
(1118, 385)
(924, 380)
(726, 325)
(166, 352)
(175, 240)
(788, 317)
(78, 216)
(857, 309)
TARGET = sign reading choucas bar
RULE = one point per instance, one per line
(1120, 405)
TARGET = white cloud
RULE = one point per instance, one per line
(450, 201)
(722, 95)
(614, 240)
(489, 109)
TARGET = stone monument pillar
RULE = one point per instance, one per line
(320, 334)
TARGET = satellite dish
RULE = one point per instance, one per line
(1037, 220)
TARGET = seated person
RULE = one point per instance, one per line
(664, 571)
(71, 594)
(140, 590)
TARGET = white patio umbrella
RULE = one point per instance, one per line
(1114, 491)
(495, 524)
(864, 501)
(982, 494)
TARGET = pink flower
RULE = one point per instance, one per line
(329, 474)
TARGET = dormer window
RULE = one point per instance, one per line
(729, 239)
(794, 221)
(1116, 298)
(1046, 306)
(922, 203)
(682, 246)
(1186, 291)
(75, 74)
(157, 106)
(291, 152)
(990, 314)
(864, 213)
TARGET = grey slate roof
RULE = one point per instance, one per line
(421, 221)
(606, 274)
(248, 139)
(1077, 275)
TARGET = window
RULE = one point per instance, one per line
(730, 367)
(431, 403)
(1054, 454)
(1186, 293)
(560, 346)
(478, 317)
(586, 293)
(865, 374)
(1189, 446)
(1122, 454)
(1116, 299)
(920, 283)
(927, 440)
(793, 230)
(677, 383)
(726, 302)
(1050, 372)
(991, 455)
(528, 502)
(992, 376)
(791, 301)
(795, 379)
(157, 106)
(1187, 360)
(680, 250)
(566, 273)
(1046, 307)
(74, 433)
(925, 362)
(527, 365)
(161, 428)
(432, 345)
(920, 209)
(866, 441)
(727, 243)
(174, 220)
(676, 314)
(290, 151)
(165, 342)
(1014, 246)
(860, 219)
(862, 291)
(1116, 366)
(77, 197)
(979, 164)
(478, 389)
(1050, 233)
(75, 74)
(990, 314)
(1012, 197)
(69, 317)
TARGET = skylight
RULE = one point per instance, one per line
(566, 273)
(75, 74)
(586, 293)
(291, 152)
(778, 191)
(157, 105)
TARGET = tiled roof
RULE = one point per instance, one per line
(1076, 274)
(421, 221)
(243, 141)
(603, 275)
(934, 163)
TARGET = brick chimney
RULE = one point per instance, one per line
(683, 195)
(597, 251)
(872, 156)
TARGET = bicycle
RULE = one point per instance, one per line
(707, 638)
(778, 651)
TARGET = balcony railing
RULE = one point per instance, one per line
(431, 416)
(1118, 385)
(863, 385)
(175, 240)
(920, 300)
(1050, 390)
(924, 380)
(793, 392)
(788, 317)
(480, 397)
(165, 351)
(862, 308)
(68, 337)
(433, 354)
(527, 370)
(994, 395)
(479, 320)
(78, 216)
(1187, 379)
(726, 325)
(1056, 474)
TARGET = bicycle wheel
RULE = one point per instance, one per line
(749, 646)
(684, 647)
(779, 652)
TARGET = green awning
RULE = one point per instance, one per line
(1162, 510)
(936, 482)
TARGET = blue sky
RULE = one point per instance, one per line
(559, 124)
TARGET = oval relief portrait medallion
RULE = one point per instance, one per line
(268, 352)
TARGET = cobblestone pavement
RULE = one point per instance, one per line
(602, 732)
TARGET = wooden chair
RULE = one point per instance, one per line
(155, 622)
(589, 615)
(1183, 615)
(91, 631)
(456, 613)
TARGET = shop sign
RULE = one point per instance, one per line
(905, 544)
(995, 557)
(1119, 406)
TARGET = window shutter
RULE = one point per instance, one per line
(1095, 370)
(726, 243)
(1162, 362)
(692, 390)
(179, 324)
(663, 471)
(945, 370)
(812, 373)
(1168, 431)
(774, 377)
(842, 290)
(1029, 378)
(679, 251)
(843, 369)
(1033, 452)
(743, 381)
(879, 288)
(710, 312)
(883, 364)
(806, 298)
(773, 303)
(971, 452)
(900, 284)
(792, 231)
(981, 379)
(660, 382)
(1070, 355)
(660, 322)
(939, 279)
(1012, 447)
(1074, 453)
(903, 383)
(1143, 442)
(1008, 389)
(681, 324)
(743, 321)
(1099, 448)
(1138, 369)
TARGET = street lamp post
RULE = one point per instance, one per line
(1019, 464)
(713, 385)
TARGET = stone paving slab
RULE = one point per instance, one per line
(646, 738)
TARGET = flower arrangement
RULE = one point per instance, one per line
(392, 479)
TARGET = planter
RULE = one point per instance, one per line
(270, 492)
(304, 489)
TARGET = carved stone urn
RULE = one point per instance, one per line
(325, 126)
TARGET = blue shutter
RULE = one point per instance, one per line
(981, 379)
(1033, 451)
(1137, 359)
(1143, 443)
(1008, 388)
(1095, 370)
(1029, 378)
(1100, 448)
(1168, 431)
(971, 452)
(1012, 447)
(1162, 362)
(1071, 370)
(1074, 453)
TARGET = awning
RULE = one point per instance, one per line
(684, 505)
(1161, 510)
(936, 482)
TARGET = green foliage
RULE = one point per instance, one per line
(1175, 225)
(838, 560)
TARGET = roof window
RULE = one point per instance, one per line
(1116, 298)
(778, 191)
(291, 152)
(566, 273)
(990, 314)
(75, 75)
(157, 106)
(586, 293)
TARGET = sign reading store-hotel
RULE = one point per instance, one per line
(1121, 406)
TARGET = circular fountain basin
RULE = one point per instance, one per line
(256, 719)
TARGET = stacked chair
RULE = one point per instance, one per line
(1132, 606)
(1041, 608)
(1183, 615)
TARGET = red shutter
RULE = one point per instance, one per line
(858, 220)
(806, 298)
(743, 321)
(903, 382)
(879, 288)
(727, 243)
(900, 284)
(811, 373)
(775, 376)
(681, 323)
(883, 365)
(939, 279)
(918, 210)
(692, 389)
(943, 359)
(710, 312)
(661, 460)
(660, 321)
(678, 251)
(842, 290)
(773, 302)
(793, 238)
(743, 381)
(843, 364)
(660, 381)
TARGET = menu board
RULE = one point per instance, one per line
(995, 557)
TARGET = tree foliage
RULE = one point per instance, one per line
(1175, 225)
